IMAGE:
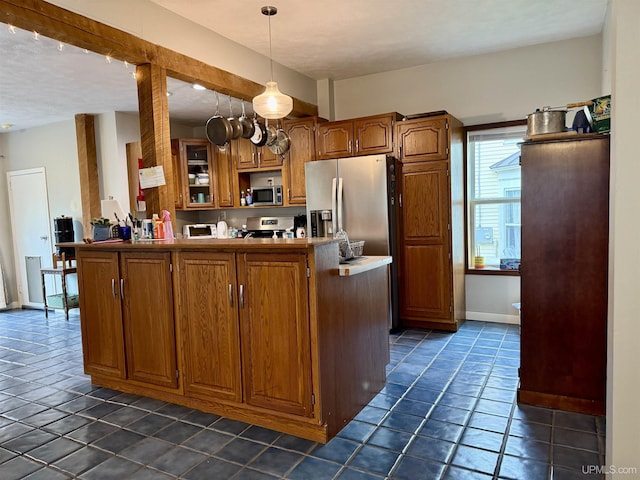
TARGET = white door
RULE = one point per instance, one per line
(31, 227)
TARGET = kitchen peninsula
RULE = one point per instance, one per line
(271, 332)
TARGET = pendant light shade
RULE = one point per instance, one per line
(272, 103)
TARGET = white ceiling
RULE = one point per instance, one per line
(329, 39)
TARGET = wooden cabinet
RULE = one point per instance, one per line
(249, 156)
(275, 332)
(102, 327)
(128, 325)
(360, 136)
(195, 158)
(302, 133)
(223, 167)
(210, 327)
(565, 211)
(431, 225)
(423, 139)
(268, 332)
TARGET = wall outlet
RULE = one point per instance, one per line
(222, 215)
(269, 181)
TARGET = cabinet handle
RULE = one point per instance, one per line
(357, 146)
(113, 287)
(400, 200)
(350, 146)
(230, 295)
(289, 194)
(241, 296)
(253, 157)
(259, 158)
(122, 288)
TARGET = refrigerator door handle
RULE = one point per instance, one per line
(339, 204)
(334, 200)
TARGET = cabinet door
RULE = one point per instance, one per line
(147, 303)
(426, 288)
(178, 182)
(209, 323)
(335, 140)
(274, 315)
(303, 149)
(244, 154)
(102, 331)
(373, 135)
(223, 162)
(268, 159)
(422, 139)
(196, 155)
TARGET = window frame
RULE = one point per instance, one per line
(466, 130)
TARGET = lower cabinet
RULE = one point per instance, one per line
(128, 327)
(275, 331)
(261, 299)
(209, 324)
(270, 335)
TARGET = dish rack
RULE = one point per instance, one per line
(347, 249)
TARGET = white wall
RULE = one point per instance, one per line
(623, 375)
(488, 88)
(495, 87)
(54, 148)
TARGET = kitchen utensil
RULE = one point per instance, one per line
(222, 229)
(272, 134)
(219, 129)
(259, 137)
(282, 143)
(550, 119)
(236, 126)
(247, 125)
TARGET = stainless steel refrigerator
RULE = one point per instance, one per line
(358, 195)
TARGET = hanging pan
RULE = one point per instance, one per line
(282, 142)
(219, 130)
(259, 137)
(248, 128)
(236, 126)
(272, 134)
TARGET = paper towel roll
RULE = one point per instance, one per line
(111, 208)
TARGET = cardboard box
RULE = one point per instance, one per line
(599, 114)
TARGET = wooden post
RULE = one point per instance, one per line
(88, 169)
(155, 135)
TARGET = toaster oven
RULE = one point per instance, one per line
(199, 230)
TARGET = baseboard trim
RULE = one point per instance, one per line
(493, 317)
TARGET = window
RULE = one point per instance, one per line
(493, 195)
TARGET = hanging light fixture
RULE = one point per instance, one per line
(272, 103)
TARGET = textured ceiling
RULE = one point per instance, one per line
(39, 84)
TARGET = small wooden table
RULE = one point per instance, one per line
(65, 269)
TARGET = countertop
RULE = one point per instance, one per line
(362, 264)
(194, 243)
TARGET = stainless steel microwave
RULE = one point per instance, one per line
(270, 195)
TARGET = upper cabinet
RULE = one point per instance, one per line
(195, 166)
(360, 136)
(423, 139)
(249, 156)
(302, 133)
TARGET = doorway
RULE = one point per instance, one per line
(32, 245)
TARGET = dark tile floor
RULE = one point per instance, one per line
(448, 411)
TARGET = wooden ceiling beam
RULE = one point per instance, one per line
(68, 27)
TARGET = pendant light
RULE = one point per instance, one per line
(272, 103)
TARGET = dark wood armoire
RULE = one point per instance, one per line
(565, 234)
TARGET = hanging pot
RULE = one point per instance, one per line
(259, 137)
(219, 130)
(248, 127)
(236, 126)
(282, 143)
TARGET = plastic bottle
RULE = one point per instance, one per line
(243, 199)
(166, 221)
(158, 227)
